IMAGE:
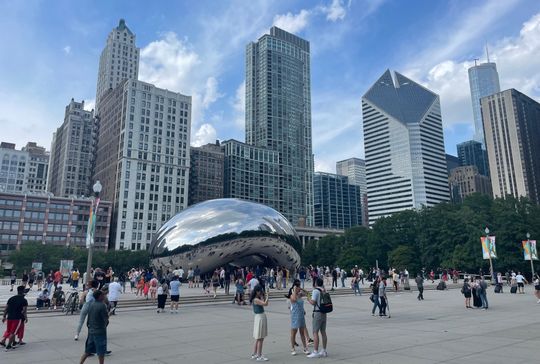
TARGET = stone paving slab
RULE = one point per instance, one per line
(437, 330)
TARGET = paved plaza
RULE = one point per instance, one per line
(437, 330)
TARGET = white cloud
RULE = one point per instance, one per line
(67, 49)
(204, 135)
(211, 93)
(89, 104)
(293, 23)
(335, 11)
(239, 106)
(518, 63)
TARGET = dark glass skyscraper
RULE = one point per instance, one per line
(278, 115)
(471, 153)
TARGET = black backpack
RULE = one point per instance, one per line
(326, 305)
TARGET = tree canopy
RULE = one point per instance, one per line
(444, 236)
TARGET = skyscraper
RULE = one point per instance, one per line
(38, 167)
(206, 173)
(404, 146)
(143, 159)
(355, 169)
(512, 125)
(119, 60)
(471, 153)
(466, 180)
(14, 169)
(278, 115)
(483, 81)
(251, 173)
(337, 203)
(72, 153)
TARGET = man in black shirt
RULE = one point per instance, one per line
(15, 314)
(98, 319)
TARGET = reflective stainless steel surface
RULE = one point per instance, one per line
(225, 231)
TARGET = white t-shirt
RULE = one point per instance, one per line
(253, 282)
(115, 290)
(520, 278)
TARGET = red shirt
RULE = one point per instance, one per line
(57, 276)
(249, 276)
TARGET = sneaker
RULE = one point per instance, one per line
(254, 356)
(310, 342)
(293, 352)
(262, 358)
(314, 355)
(306, 351)
(324, 354)
(76, 338)
(108, 352)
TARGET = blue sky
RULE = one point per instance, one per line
(50, 53)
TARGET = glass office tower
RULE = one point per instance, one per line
(483, 81)
(278, 115)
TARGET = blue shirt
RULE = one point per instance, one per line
(175, 288)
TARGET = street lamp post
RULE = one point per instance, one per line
(530, 256)
(91, 229)
(486, 230)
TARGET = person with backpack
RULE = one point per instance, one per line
(322, 304)
(466, 291)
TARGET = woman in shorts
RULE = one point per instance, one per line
(175, 293)
(537, 287)
(260, 325)
(466, 291)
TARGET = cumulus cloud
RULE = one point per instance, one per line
(204, 135)
(293, 23)
(211, 92)
(67, 49)
(89, 104)
(335, 11)
(518, 63)
(239, 106)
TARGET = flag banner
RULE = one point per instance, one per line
(66, 266)
(91, 228)
(529, 249)
(488, 247)
(37, 266)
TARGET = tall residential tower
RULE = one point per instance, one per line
(404, 146)
(278, 115)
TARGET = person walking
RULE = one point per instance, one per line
(521, 282)
(537, 287)
(227, 281)
(13, 279)
(260, 325)
(115, 290)
(343, 276)
(383, 300)
(319, 322)
(482, 291)
(98, 320)
(75, 275)
(298, 317)
(215, 282)
(197, 274)
(175, 293)
(162, 292)
(420, 284)
(87, 298)
(15, 315)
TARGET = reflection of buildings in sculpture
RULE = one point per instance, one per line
(219, 232)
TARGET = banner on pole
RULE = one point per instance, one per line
(66, 266)
(529, 249)
(488, 247)
(38, 266)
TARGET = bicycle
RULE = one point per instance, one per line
(72, 303)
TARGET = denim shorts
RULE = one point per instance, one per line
(96, 344)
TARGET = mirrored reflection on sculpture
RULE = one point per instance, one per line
(225, 231)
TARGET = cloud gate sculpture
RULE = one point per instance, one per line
(216, 233)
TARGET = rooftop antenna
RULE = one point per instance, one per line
(476, 59)
(487, 52)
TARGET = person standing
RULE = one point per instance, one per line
(175, 293)
(482, 291)
(24, 279)
(57, 279)
(215, 282)
(334, 278)
(75, 275)
(466, 291)
(260, 325)
(153, 288)
(190, 277)
(537, 287)
(162, 292)
(15, 315)
(98, 320)
(197, 274)
(88, 298)
(343, 276)
(115, 290)
(298, 317)
(383, 300)
(319, 321)
(39, 280)
(31, 278)
(521, 282)
(227, 281)
(375, 295)
(420, 284)
(13, 279)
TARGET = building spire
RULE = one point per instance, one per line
(487, 52)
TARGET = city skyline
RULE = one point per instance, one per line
(182, 59)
